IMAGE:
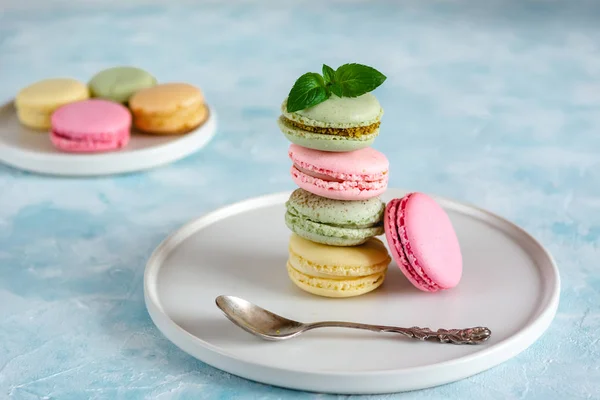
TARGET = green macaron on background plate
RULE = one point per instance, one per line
(118, 84)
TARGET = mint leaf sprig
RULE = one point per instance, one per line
(349, 80)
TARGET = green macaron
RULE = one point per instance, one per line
(118, 84)
(334, 222)
(339, 124)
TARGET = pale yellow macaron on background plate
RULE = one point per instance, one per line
(168, 108)
(333, 271)
(36, 102)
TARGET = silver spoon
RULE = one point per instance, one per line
(269, 326)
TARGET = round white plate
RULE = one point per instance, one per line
(510, 284)
(32, 150)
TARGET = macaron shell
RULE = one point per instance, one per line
(339, 112)
(430, 242)
(48, 94)
(350, 214)
(323, 142)
(340, 258)
(166, 98)
(366, 164)
(91, 117)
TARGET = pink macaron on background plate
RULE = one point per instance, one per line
(90, 126)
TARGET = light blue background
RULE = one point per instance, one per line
(496, 103)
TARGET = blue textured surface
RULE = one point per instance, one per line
(493, 103)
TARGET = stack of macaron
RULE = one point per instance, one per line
(100, 115)
(336, 213)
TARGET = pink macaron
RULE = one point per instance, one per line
(423, 242)
(355, 175)
(92, 125)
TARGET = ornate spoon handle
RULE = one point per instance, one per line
(476, 335)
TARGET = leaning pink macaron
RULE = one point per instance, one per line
(355, 175)
(423, 242)
(93, 125)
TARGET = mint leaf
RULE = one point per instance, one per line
(336, 89)
(349, 80)
(309, 90)
(328, 74)
(353, 80)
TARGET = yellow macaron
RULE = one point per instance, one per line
(36, 102)
(168, 109)
(333, 271)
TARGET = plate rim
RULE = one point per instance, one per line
(106, 163)
(534, 328)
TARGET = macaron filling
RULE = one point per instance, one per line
(318, 175)
(97, 138)
(323, 142)
(358, 285)
(329, 233)
(89, 144)
(350, 132)
(294, 212)
(294, 133)
(334, 213)
(335, 181)
(336, 184)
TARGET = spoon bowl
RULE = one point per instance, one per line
(257, 320)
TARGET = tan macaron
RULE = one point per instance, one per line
(168, 109)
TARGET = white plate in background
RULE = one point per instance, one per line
(31, 150)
